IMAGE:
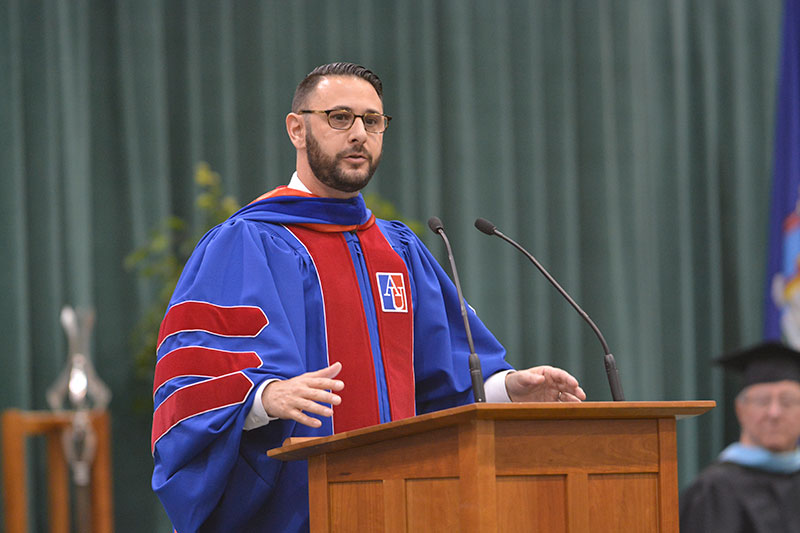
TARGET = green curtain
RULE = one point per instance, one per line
(626, 143)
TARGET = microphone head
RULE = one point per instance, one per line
(435, 224)
(485, 226)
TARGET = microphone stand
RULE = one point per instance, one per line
(475, 372)
(611, 367)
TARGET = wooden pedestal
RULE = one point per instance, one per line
(555, 467)
(17, 427)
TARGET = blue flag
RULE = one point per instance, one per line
(782, 317)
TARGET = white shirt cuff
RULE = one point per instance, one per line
(258, 416)
(495, 387)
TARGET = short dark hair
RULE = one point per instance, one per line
(309, 83)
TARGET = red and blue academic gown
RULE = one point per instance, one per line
(290, 284)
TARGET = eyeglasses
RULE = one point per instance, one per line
(762, 402)
(342, 119)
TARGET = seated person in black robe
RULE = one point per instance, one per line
(754, 486)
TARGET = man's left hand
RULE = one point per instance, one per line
(543, 384)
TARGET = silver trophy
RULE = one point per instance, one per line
(79, 390)
(78, 386)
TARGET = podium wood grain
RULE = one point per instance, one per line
(595, 466)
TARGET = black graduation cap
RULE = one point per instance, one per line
(764, 363)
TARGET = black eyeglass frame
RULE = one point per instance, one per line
(327, 112)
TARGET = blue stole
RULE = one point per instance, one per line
(761, 458)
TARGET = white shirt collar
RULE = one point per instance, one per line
(296, 184)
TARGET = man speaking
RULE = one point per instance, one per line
(304, 315)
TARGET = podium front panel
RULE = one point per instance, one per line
(576, 445)
(515, 512)
(484, 468)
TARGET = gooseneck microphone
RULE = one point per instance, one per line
(611, 367)
(474, 362)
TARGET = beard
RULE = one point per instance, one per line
(331, 171)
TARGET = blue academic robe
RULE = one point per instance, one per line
(249, 307)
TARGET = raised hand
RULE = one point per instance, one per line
(312, 392)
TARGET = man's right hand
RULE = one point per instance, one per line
(290, 399)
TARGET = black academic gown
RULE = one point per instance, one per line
(731, 498)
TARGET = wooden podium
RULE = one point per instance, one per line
(554, 467)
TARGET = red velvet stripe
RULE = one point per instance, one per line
(346, 329)
(203, 362)
(199, 398)
(396, 329)
(235, 321)
(334, 228)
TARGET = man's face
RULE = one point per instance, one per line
(343, 160)
(769, 415)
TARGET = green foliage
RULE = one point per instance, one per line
(160, 262)
(162, 258)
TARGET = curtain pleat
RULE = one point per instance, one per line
(14, 261)
(626, 143)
